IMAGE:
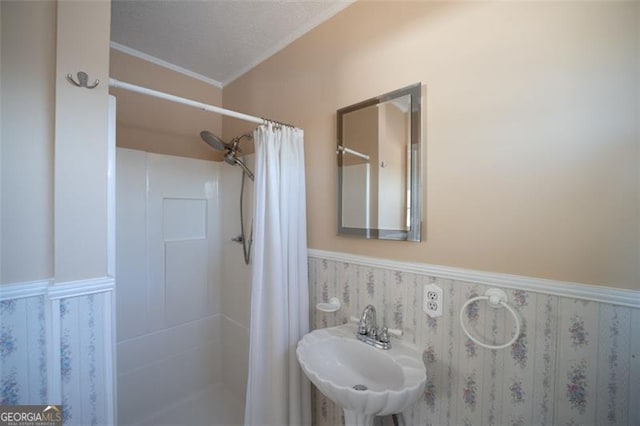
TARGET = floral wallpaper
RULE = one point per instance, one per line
(574, 363)
(23, 376)
(23, 355)
(82, 360)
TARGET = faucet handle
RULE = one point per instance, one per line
(373, 332)
(362, 324)
(383, 335)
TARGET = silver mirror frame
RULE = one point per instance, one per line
(415, 223)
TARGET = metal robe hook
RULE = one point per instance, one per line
(83, 80)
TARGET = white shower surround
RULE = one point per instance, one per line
(173, 334)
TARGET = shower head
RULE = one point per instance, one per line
(217, 143)
(214, 142)
(232, 148)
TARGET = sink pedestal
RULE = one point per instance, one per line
(354, 418)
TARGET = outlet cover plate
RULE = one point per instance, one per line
(432, 300)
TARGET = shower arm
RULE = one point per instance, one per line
(235, 142)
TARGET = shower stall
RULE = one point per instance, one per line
(185, 290)
(183, 297)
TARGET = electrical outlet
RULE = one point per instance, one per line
(433, 300)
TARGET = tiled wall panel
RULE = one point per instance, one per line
(575, 362)
(169, 277)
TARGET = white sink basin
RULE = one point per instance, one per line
(335, 361)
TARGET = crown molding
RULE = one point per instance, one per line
(302, 30)
(152, 59)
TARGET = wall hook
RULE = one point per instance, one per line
(83, 80)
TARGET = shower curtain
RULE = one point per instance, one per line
(278, 392)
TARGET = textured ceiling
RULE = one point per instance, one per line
(220, 40)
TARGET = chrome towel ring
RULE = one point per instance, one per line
(495, 298)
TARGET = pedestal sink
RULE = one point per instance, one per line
(363, 380)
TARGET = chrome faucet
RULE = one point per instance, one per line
(367, 320)
(368, 330)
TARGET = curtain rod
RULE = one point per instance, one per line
(202, 106)
(345, 150)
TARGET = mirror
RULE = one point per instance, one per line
(379, 166)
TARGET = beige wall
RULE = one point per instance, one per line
(153, 125)
(531, 114)
(54, 141)
(27, 82)
(81, 141)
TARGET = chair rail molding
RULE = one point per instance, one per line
(614, 296)
(24, 289)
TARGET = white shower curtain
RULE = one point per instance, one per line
(278, 392)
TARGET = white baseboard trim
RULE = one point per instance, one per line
(614, 296)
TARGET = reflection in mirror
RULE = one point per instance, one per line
(378, 166)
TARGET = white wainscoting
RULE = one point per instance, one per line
(57, 346)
